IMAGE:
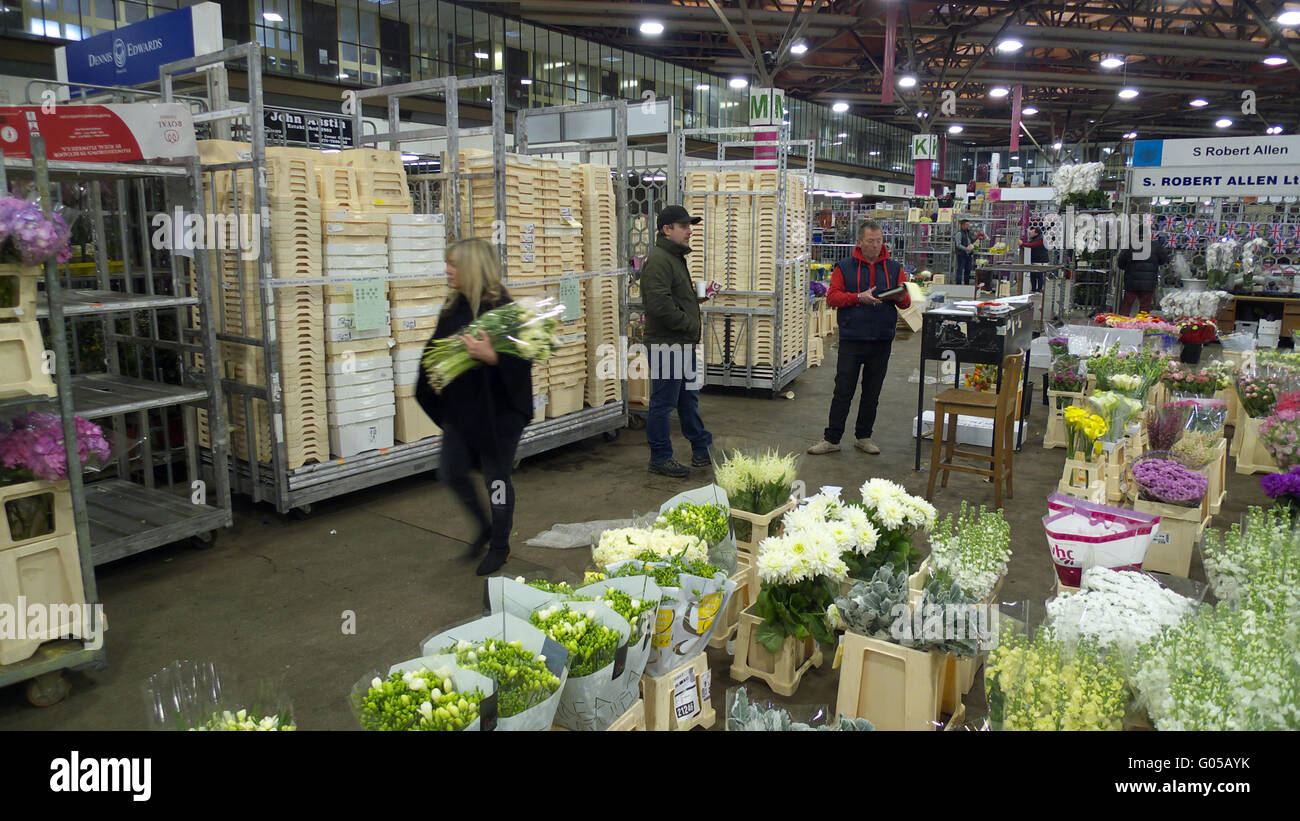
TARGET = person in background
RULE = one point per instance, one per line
(482, 412)
(672, 330)
(1037, 256)
(866, 324)
(1141, 276)
(964, 243)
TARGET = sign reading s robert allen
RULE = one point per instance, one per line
(132, 55)
(1217, 166)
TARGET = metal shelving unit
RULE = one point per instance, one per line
(147, 388)
(718, 321)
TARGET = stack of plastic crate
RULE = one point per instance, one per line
(417, 262)
(359, 365)
(600, 253)
(794, 332)
(382, 179)
(700, 261)
(522, 208)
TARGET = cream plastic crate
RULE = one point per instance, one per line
(339, 188)
(353, 438)
(728, 623)
(359, 390)
(23, 286)
(60, 500)
(894, 687)
(565, 397)
(1056, 435)
(782, 671)
(1216, 471)
(1253, 456)
(632, 720)
(364, 159)
(346, 404)
(411, 423)
(43, 572)
(22, 357)
(1181, 528)
(658, 695)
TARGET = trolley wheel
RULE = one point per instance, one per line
(48, 689)
(636, 422)
(301, 512)
(203, 541)
(612, 435)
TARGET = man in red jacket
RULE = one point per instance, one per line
(867, 315)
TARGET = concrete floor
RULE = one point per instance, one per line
(269, 597)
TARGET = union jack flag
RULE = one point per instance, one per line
(1276, 233)
(1252, 230)
(1277, 245)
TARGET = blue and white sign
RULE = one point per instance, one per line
(1217, 166)
(131, 55)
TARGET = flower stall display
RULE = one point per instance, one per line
(1156, 333)
(1194, 303)
(880, 609)
(31, 448)
(1284, 490)
(1185, 381)
(1280, 431)
(516, 329)
(974, 548)
(1067, 375)
(801, 572)
(592, 634)
(425, 694)
(1194, 332)
(898, 516)
(757, 484)
(1257, 393)
(514, 654)
(1080, 186)
(1116, 609)
(29, 238)
(1041, 685)
(1086, 430)
(1147, 364)
(1163, 480)
(1164, 426)
(1116, 409)
(211, 697)
(705, 513)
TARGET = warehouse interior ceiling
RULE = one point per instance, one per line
(1172, 53)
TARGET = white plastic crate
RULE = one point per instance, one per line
(971, 430)
(355, 249)
(351, 439)
(367, 363)
(345, 405)
(368, 415)
(417, 219)
(358, 390)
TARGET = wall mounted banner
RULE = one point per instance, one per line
(1217, 166)
(132, 55)
(100, 133)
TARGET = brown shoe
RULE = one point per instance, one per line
(866, 446)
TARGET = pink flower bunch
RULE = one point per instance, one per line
(25, 233)
(1280, 433)
(1164, 480)
(32, 448)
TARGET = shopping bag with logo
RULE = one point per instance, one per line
(1083, 534)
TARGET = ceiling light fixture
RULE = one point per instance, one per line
(343, 75)
(739, 82)
(272, 16)
(481, 55)
(1131, 135)
(1127, 93)
(921, 115)
(1056, 146)
(1223, 122)
(799, 48)
(840, 107)
(843, 134)
(702, 87)
(410, 157)
(998, 92)
(1289, 18)
(1112, 62)
(1010, 46)
(873, 153)
(907, 81)
(1274, 61)
(652, 27)
(954, 129)
(1199, 103)
(1028, 112)
(1275, 129)
(525, 82)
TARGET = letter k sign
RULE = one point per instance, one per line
(925, 147)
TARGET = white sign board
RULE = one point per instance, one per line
(925, 146)
(1217, 166)
(766, 106)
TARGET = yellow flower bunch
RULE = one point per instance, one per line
(1039, 686)
(1085, 429)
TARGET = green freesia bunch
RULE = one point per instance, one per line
(708, 523)
(591, 645)
(522, 678)
(422, 700)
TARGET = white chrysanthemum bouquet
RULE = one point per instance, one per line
(758, 483)
(801, 571)
(897, 516)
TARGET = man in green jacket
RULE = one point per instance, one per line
(672, 330)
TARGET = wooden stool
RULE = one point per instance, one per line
(1001, 408)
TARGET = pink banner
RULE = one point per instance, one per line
(765, 148)
(921, 182)
(1016, 96)
(891, 40)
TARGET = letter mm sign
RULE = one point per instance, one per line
(132, 55)
(925, 147)
(766, 106)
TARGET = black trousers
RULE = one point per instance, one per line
(871, 359)
(495, 456)
(1036, 280)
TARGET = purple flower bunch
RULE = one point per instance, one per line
(1284, 486)
(817, 288)
(1058, 345)
(32, 447)
(1164, 480)
(26, 235)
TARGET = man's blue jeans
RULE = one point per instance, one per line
(675, 387)
(964, 266)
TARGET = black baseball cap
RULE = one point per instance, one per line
(674, 214)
